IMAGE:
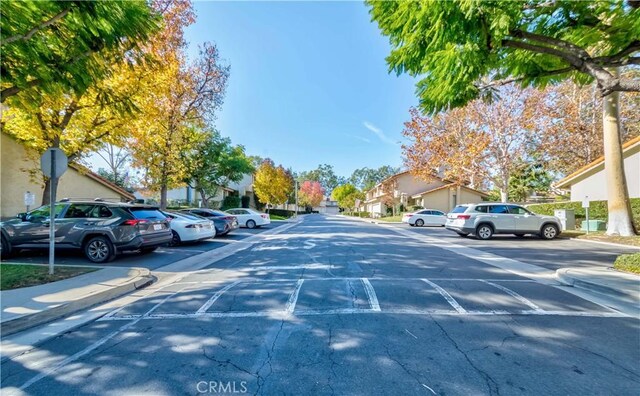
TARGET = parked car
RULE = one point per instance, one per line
(224, 222)
(485, 219)
(250, 218)
(189, 228)
(425, 217)
(100, 229)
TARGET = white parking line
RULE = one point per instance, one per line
(214, 298)
(452, 301)
(371, 294)
(293, 299)
(514, 295)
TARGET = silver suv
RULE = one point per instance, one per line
(485, 219)
(100, 229)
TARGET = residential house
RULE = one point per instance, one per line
(327, 206)
(408, 190)
(16, 180)
(590, 181)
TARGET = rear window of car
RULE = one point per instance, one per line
(147, 213)
(459, 209)
(437, 213)
(187, 216)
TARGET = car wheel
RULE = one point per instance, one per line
(148, 250)
(99, 249)
(519, 235)
(549, 231)
(420, 222)
(462, 234)
(484, 231)
(6, 248)
(175, 239)
(251, 224)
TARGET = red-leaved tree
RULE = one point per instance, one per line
(311, 193)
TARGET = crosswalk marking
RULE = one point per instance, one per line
(289, 309)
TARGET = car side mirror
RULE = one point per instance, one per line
(22, 216)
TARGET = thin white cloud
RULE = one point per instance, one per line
(379, 133)
(364, 139)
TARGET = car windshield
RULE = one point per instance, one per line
(43, 211)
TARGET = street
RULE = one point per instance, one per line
(338, 306)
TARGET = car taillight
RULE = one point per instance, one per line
(264, 216)
(408, 215)
(190, 226)
(464, 217)
(228, 218)
(133, 222)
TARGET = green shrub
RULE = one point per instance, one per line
(282, 212)
(245, 200)
(628, 262)
(231, 201)
(597, 210)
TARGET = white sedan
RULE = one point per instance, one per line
(425, 217)
(189, 228)
(250, 218)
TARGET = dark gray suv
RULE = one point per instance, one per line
(100, 229)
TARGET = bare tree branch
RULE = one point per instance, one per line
(33, 31)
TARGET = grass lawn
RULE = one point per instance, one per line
(603, 237)
(628, 263)
(276, 217)
(13, 276)
(392, 219)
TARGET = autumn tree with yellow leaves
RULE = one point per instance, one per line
(272, 184)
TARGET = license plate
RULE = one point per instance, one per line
(157, 227)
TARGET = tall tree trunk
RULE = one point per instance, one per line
(163, 196)
(504, 194)
(48, 185)
(617, 192)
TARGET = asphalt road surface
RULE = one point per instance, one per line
(337, 306)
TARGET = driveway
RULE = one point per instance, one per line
(161, 257)
(336, 306)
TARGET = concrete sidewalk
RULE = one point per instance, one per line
(32, 306)
(608, 281)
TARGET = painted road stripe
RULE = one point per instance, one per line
(292, 280)
(293, 299)
(371, 294)
(214, 298)
(514, 295)
(452, 301)
(95, 345)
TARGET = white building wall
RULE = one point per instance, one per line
(595, 186)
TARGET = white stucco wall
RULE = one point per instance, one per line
(595, 185)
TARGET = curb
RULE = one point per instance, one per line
(563, 276)
(25, 322)
(619, 245)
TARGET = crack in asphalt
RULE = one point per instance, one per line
(490, 382)
(333, 362)
(226, 362)
(403, 366)
(262, 380)
(636, 376)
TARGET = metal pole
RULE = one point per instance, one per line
(296, 187)
(52, 212)
(587, 210)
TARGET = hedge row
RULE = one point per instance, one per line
(357, 214)
(597, 210)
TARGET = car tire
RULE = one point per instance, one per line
(549, 231)
(175, 239)
(99, 249)
(519, 235)
(420, 223)
(6, 248)
(251, 224)
(462, 234)
(484, 232)
(148, 250)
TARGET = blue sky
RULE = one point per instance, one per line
(309, 83)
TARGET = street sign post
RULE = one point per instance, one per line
(53, 164)
(585, 205)
(29, 199)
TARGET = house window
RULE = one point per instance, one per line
(455, 200)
